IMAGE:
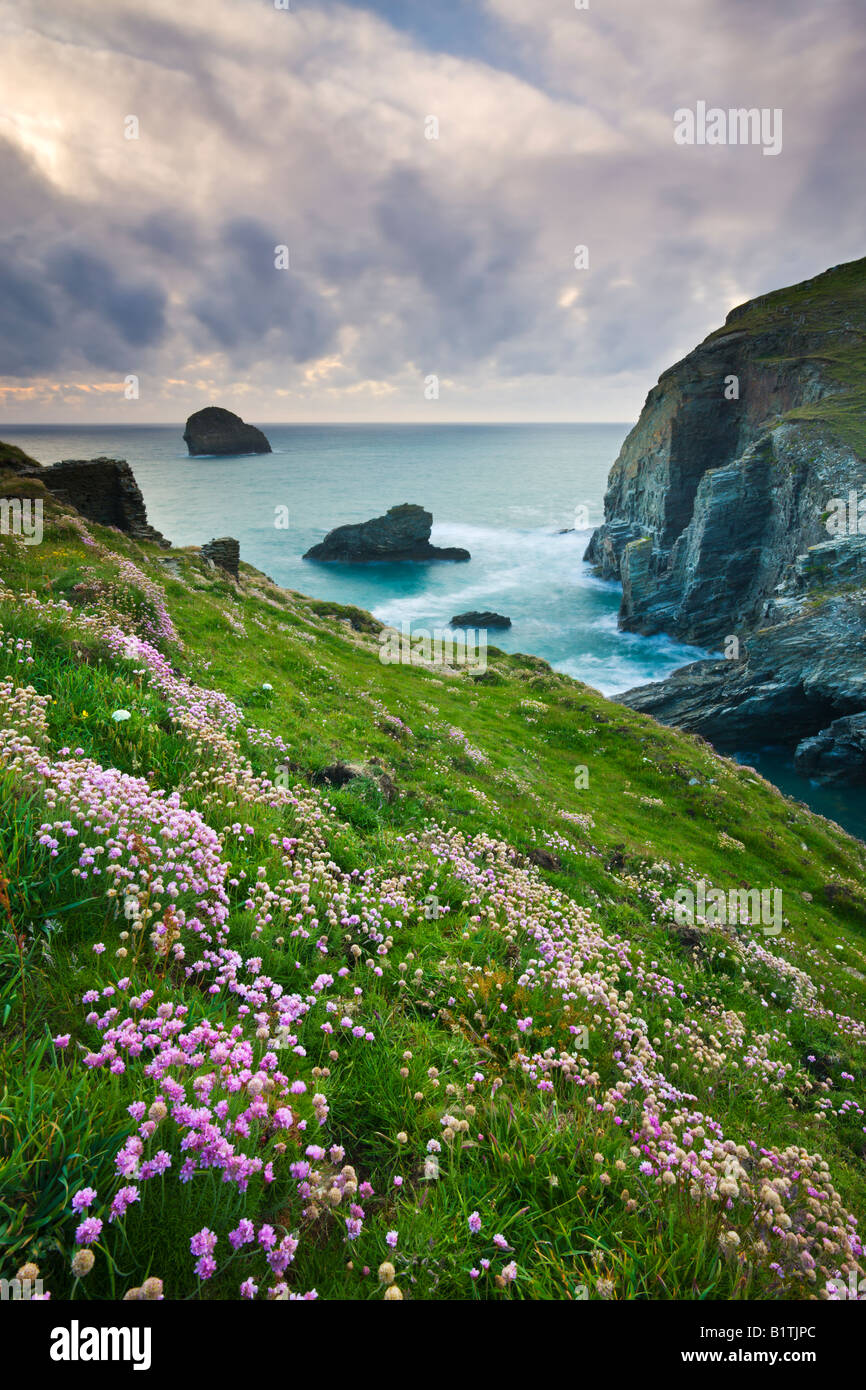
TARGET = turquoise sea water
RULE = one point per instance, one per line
(504, 492)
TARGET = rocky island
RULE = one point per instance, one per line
(733, 519)
(219, 432)
(478, 619)
(403, 533)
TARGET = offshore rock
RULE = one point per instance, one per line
(480, 620)
(403, 533)
(217, 431)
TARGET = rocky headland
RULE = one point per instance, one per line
(214, 431)
(733, 520)
(403, 533)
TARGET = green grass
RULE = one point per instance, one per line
(661, 809)
(830, 309)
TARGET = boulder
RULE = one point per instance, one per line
(480, 620)
(340, 774)
(402, 534)
(217, 431)
(225, 553)
(836, 755)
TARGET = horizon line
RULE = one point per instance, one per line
(283, 424)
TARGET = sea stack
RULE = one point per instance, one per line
(402, 534)
(217, 431)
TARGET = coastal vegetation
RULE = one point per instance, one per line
(432, 1033)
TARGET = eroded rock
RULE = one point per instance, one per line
(403, 533)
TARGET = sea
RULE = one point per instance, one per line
(522, 499)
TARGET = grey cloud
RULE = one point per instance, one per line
(409, 257)
(136, 312)
(251, 309)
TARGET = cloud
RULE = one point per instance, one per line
(409, 255)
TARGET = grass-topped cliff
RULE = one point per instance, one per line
(263, 1036)
(823, 322)
(722, 521)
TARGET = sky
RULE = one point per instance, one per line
(429, 167)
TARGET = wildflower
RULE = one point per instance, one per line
(500, 1242)
(84, 1198)
(242, 1235)
(387, 1273)
(151, 1289)
(28, 1271)
(124, 1198)
(391, 1239)
(402, 1137)
(203, 1242)
(62, 1040)
(392, 1293)
(120, 716)
(89, 1231)
(474, 1223)
(249, 1289)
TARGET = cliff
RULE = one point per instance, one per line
(720, 523)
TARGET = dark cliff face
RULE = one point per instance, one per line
(716, 517)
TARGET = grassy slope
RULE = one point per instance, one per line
(729, 1029)
(834, 304)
